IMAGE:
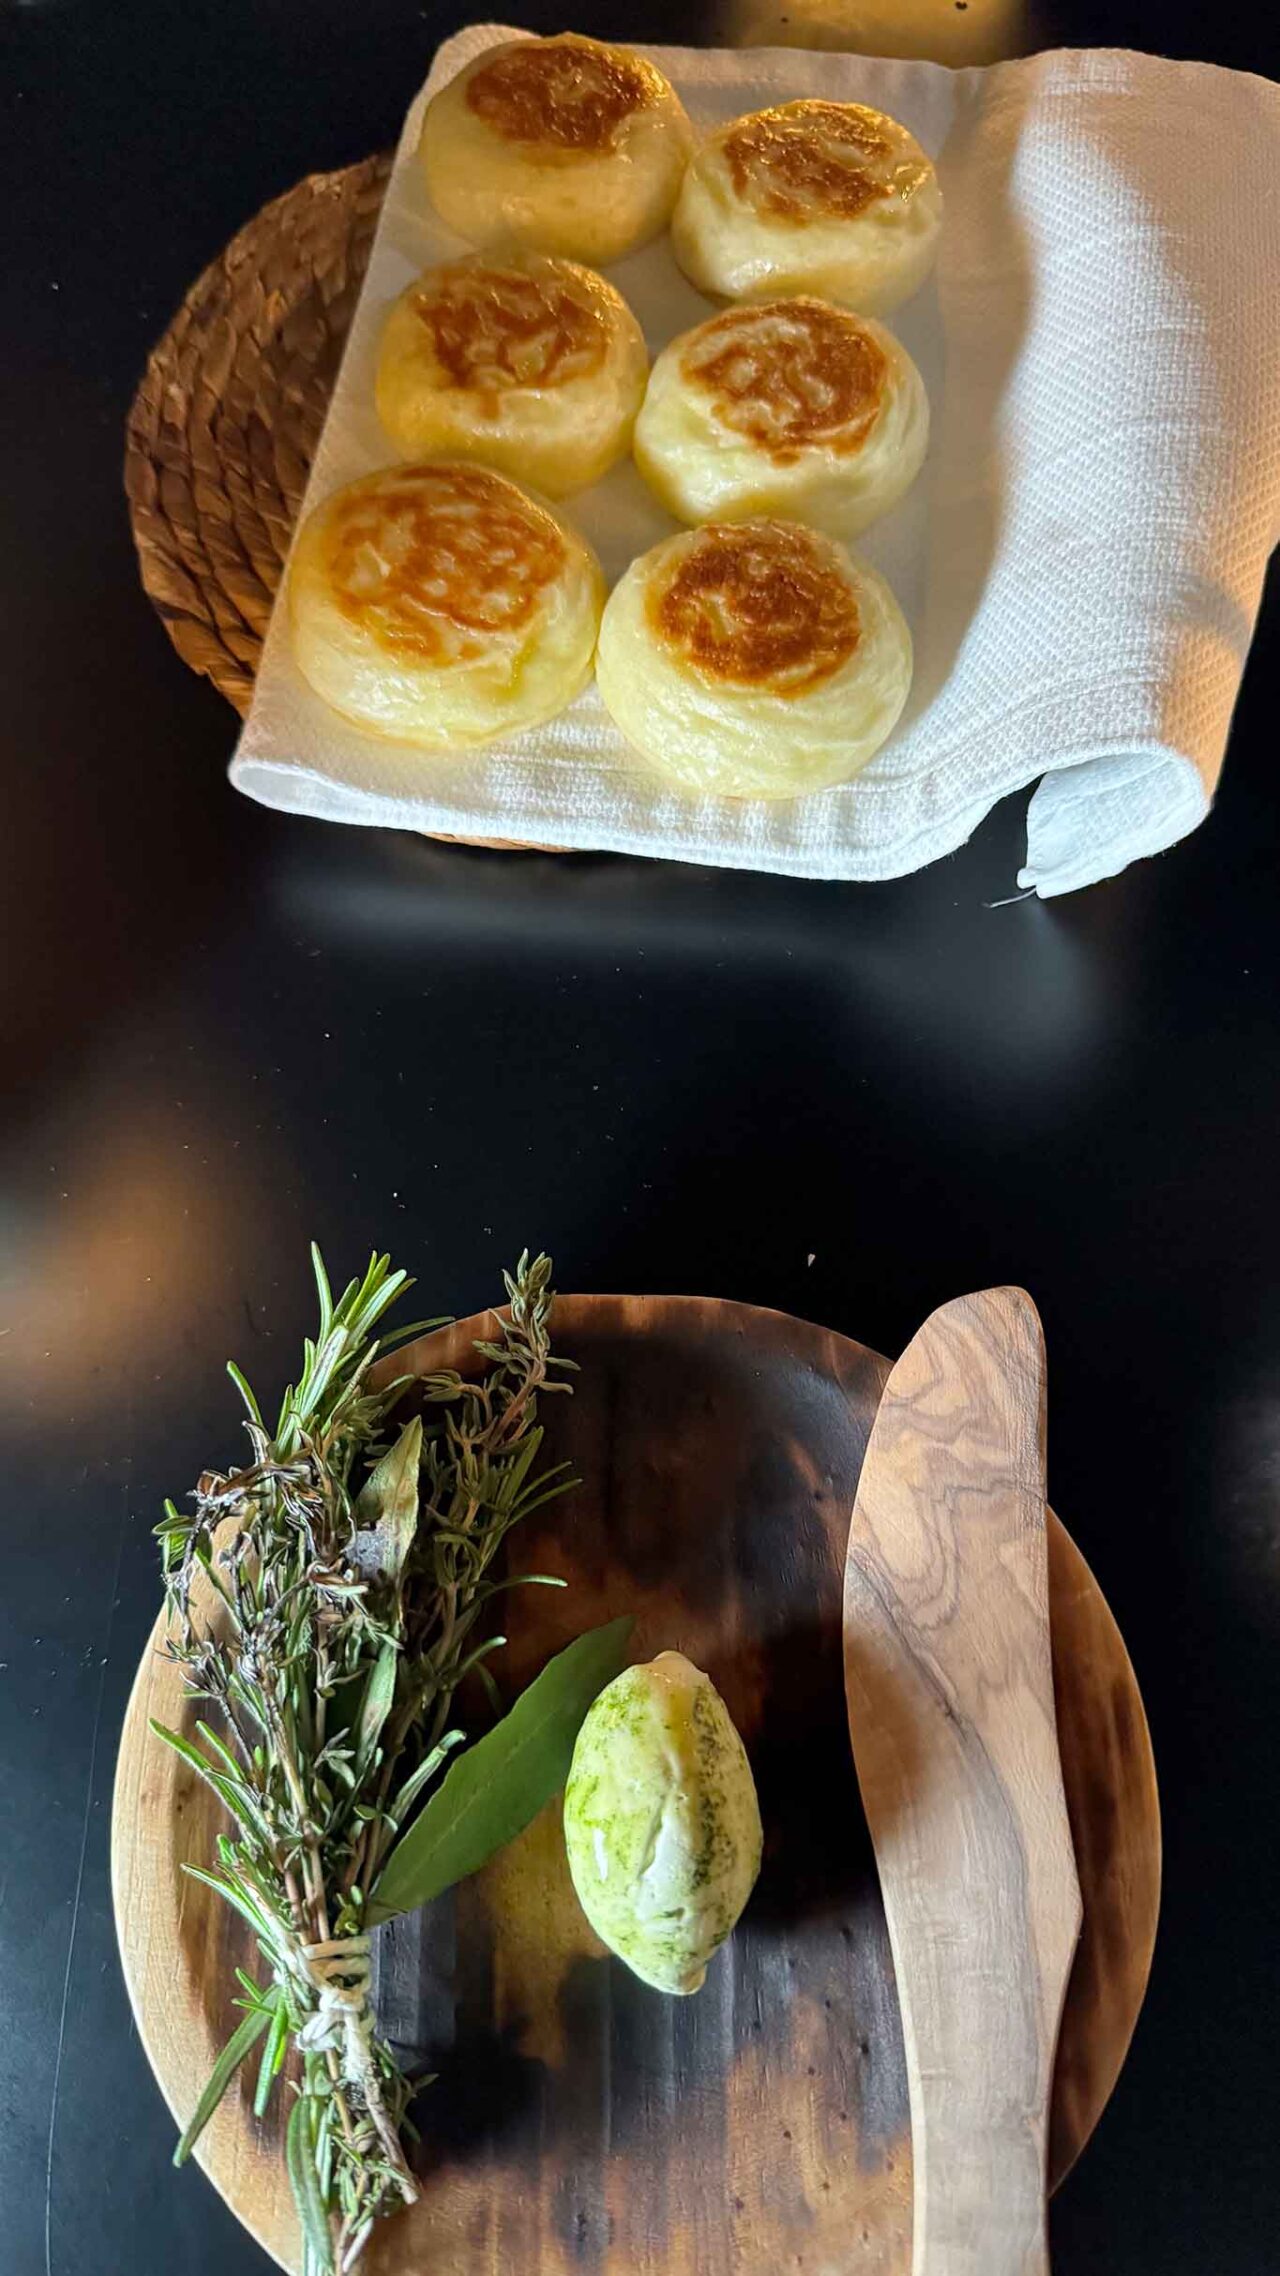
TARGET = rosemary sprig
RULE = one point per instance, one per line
(329, 1616)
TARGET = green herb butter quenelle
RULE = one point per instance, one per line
(661, 1821)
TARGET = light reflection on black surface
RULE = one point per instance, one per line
(122, 1219)
(1027, 992)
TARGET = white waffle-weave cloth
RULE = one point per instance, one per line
(1081, 560)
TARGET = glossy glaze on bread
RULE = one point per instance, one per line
(564, 145)
(830, 198)
(793, 407)
(531, 364)
(753, 659)
(441, 606)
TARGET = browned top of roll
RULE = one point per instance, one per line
(832, 157)
(790, 374)
(535, 323)
(436, 561)
(567, 92)
(764, 604)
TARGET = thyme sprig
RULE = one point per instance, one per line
(328, 1611)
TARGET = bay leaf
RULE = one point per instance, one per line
(493, 1791)
(386, 1509)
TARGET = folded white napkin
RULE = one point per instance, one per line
(1082, 558)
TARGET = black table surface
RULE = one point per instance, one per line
(229, 1032)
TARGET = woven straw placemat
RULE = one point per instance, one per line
(222, 429)
(223, 426)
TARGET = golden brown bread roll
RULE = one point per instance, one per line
(565, 145)
(829, 198)
(753, 659)
(794, 407)
(533, 365)
(440, 605)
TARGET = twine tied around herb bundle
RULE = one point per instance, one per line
(339, 1970)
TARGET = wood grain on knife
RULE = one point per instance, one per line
(950, 1690)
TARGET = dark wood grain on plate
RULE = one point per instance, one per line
(580, 2122)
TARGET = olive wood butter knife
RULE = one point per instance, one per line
(949, 1686)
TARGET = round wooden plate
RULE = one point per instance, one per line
(578, 2121)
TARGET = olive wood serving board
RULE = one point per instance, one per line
(580, 2122)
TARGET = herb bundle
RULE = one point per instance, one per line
(329, 1611)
